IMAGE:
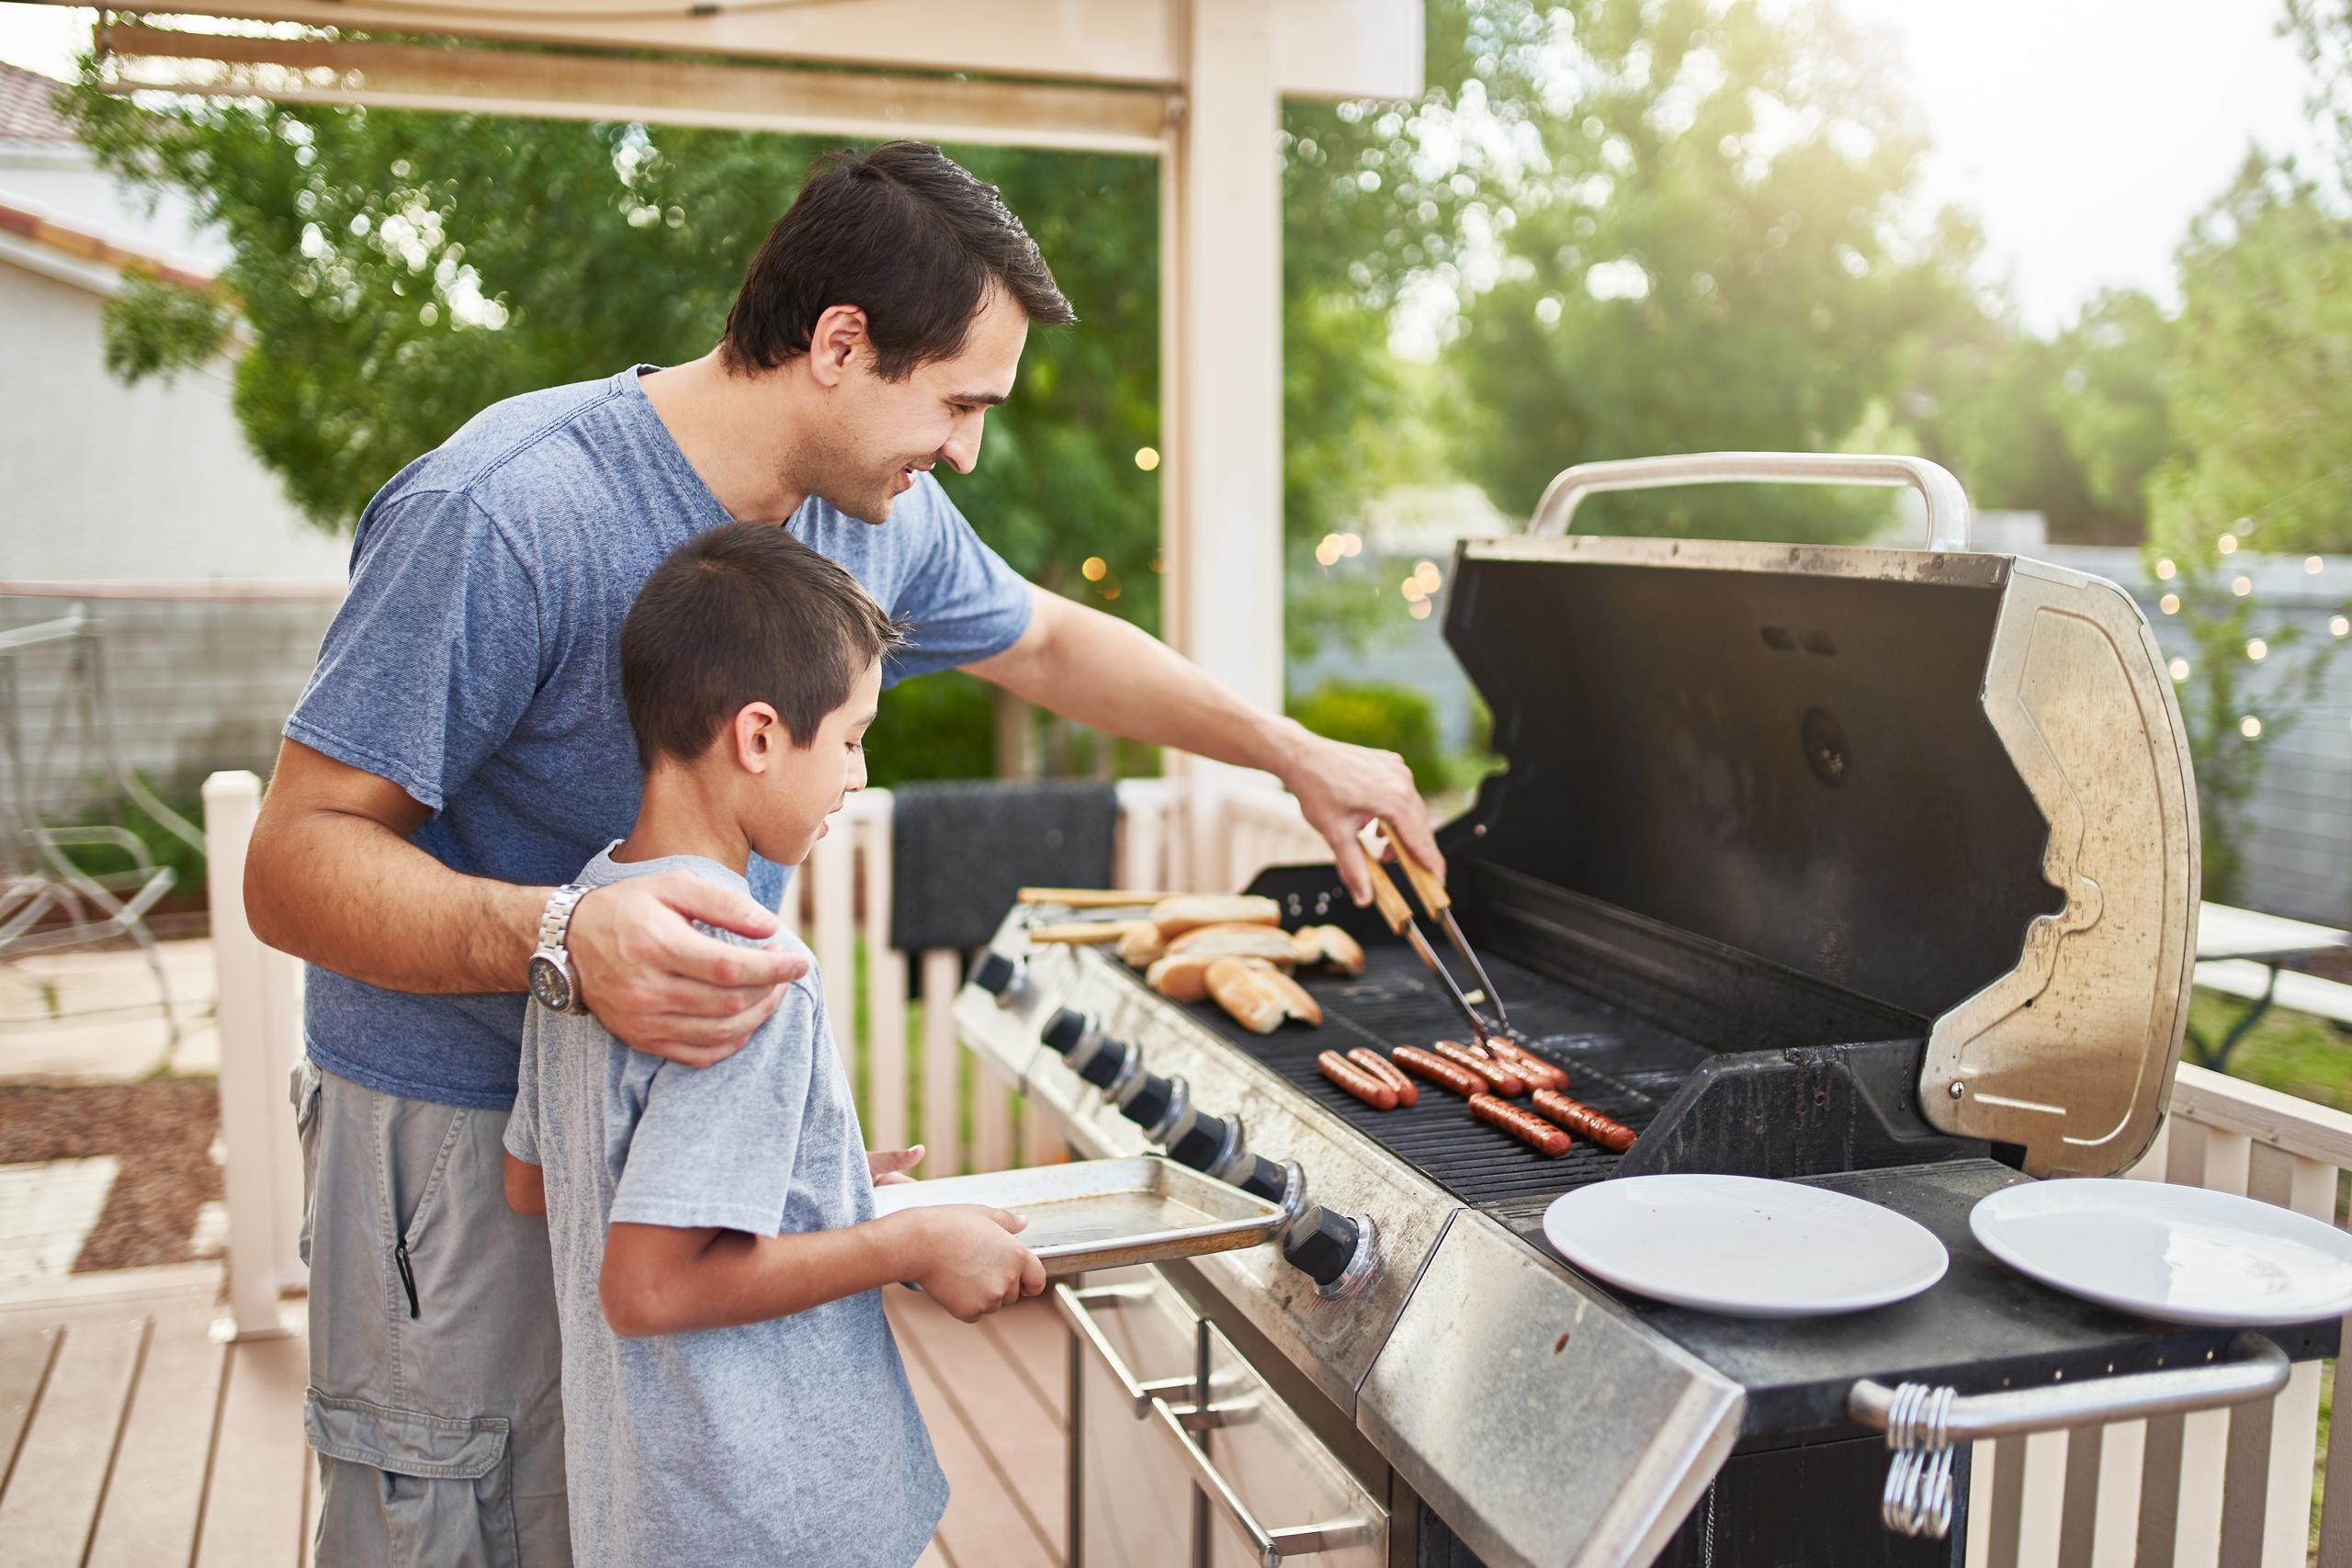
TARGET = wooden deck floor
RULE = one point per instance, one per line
(129, 1436)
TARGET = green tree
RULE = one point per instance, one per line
(2263, 390)
(2070, 426)
(1705, 249)
(2112, 400)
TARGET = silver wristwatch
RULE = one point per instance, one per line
(554, 981)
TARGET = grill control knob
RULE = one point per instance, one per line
(1148, 1106)
(995, 974)
(1200, 1140)
(1105, 1064)
(1323, 1243)
(1263, 1179)
(1065, 1030)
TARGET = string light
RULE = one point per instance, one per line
(2257, 651)
(1350, 545)
(2169, 603)
(1327, 550)
(1414, 592)
(1146, 458)
(1095, 569)
(2229, 544)
(2179, 668)
(2165, 569)
(2241, 586)
(2313, 564)
(1429, 576)
(2250, 726)
(2339, 626)
(1419, 609)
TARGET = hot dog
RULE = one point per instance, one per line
(1578, 1117)
(1387, 1072)
(1437, 1070)
(1539, 1072)
(1373, 1091)
(1524, 1125)
(1498, 1076)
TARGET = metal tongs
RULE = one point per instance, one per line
(1378, 837)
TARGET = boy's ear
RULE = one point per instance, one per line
(758, 733)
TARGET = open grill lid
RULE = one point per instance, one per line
(1955, 785)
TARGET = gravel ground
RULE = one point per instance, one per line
(161, 1133)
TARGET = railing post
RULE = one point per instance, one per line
(259, 1024)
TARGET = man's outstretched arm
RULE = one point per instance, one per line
(334, 877)
(1101, 671)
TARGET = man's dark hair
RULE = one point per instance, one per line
(909, 237)
(741, 613)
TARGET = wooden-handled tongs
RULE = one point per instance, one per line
(1378, 837)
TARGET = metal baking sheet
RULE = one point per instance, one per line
(1106, 1214)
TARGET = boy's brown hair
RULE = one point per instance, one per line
(741, 613)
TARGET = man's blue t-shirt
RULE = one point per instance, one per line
(476, 663)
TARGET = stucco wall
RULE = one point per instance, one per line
(151, 483)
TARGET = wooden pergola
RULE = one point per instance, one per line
(1197, 82)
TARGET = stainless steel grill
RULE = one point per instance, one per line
(1873, 868)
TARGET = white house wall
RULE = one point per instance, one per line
(147, 484)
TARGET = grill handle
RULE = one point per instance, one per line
(1948, 508)
(1150, 1402)
(2257, 1370)
(1072, 1305)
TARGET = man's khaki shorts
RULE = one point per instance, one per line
(435, 1400)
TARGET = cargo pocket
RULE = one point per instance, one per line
(448, 1489)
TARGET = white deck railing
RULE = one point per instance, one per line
(2233, 1490)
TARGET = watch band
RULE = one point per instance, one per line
(555, 920)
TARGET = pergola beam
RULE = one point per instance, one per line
(1317, 49)
(604, 87)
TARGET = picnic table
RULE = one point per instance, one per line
(2229, 935)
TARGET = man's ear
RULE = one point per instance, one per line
(839, 335)
(758, 734)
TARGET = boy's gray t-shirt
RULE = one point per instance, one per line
(476, 664)
(795, 1440)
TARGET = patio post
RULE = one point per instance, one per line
(1221, 336)
(259, 1023)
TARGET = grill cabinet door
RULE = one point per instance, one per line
(1133, 1499)
(1280, 1472)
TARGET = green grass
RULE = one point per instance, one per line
(2291, 1052)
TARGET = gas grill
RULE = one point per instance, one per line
(1871, 868)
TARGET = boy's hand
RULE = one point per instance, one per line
(666, 988)
(888, 1168)
(964, 1256)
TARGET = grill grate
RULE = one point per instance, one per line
(1617, 1064)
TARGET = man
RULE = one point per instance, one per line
(463, 748)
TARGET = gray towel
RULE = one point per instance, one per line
(959, 851)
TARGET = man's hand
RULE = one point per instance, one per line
(1341, 787)
(964, 1256)
(666, 988)
(889, 1167)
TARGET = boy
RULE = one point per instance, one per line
(731, 1392)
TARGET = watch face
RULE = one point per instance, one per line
(550, 983)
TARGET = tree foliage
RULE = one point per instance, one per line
(1706, 247)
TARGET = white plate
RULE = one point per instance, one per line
(1744, 1246)
(2180, 1254)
